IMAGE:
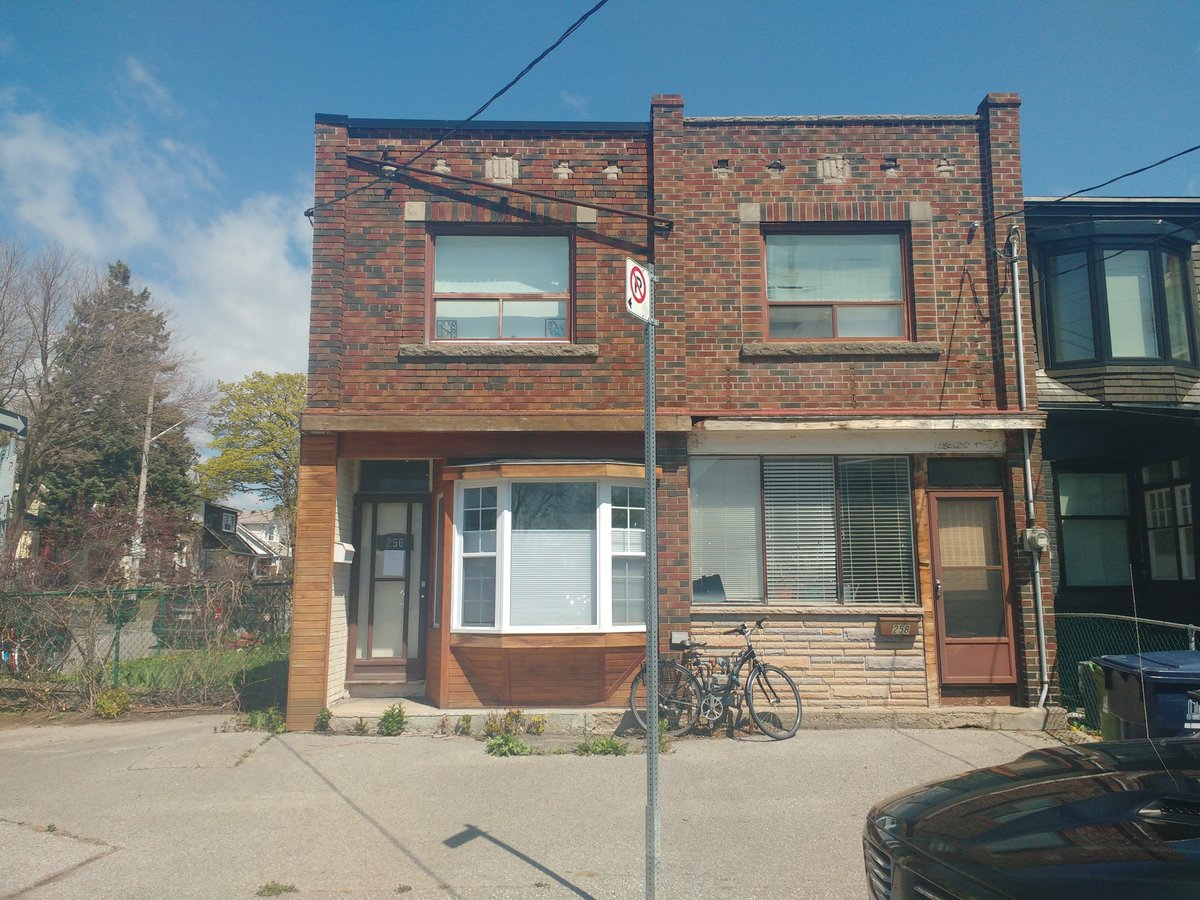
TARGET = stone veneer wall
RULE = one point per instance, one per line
(836, 656)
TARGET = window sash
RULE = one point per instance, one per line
(826, 286)
(554, 568)
(827, 530)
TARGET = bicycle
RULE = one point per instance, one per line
(712, 688)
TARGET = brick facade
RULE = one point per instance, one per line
(381, 381)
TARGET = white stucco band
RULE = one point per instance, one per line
(937, 436)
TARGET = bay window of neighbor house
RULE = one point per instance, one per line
(1093, 510)
(550, 556)
(802, 530)
(848, 285)
(501, 287)
(1105, 301)
(1167, 495)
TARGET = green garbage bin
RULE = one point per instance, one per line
(1095, 701)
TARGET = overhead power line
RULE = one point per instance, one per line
(571, 29)
(1096, 187)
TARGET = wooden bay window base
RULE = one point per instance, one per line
(542, 669)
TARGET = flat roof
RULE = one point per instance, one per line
(447, 124)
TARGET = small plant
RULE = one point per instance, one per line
(536, 725)
(113, 704)
(324, 721)
(514, 721)
(403, 888)
(393, 720)
(494, 726)
(508, 745)
(274, 889)
(443, 726)
(269, 720)
(605, 746)
(463, 725)
(52, 827)
(664, 738)
(360, 727)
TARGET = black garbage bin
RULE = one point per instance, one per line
(1148, 692)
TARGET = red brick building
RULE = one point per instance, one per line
(839, 415)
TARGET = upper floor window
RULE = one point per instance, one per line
(836, 285)
(502, 287)
(1109, 301)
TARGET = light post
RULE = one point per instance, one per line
(136, 550)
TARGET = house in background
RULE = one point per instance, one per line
(220, 545)
(1115, 286)
(269, 528)
(842, 442)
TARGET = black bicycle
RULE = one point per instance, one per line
(713, 688)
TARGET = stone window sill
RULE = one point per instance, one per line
(497, 351)
(843, 349)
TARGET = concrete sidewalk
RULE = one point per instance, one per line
(180, 808)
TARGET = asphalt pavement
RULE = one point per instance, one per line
(182, 808)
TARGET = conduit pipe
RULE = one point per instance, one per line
(1035, 555)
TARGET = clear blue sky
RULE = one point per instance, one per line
(178, 136)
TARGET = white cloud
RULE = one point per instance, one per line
(577, 103)
(236, 281)
(239, 287)
(150, 91)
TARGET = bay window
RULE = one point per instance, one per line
(501, 287)
(1111, 299)
(536, 555)
(802, 530)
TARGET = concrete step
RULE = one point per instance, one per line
(384, 688)
(425, 718)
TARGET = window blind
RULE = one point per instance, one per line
(876, 530)
(800, 527)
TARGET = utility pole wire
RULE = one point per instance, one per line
(571, 29)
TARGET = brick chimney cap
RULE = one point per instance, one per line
(667, 100)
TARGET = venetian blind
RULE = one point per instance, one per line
(876, 529)
(801, 529)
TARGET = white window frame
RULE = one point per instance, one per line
(604, 557)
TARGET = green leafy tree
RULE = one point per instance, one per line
(112, 354)
(256, 432)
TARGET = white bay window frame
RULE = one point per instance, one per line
(604, 553)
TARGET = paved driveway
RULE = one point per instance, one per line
(178, 808)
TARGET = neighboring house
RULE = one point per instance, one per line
(841, 442)
(1115, 284)
(267, 527)
(221, 545)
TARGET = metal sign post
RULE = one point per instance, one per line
(639, 300)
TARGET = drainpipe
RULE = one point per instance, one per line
(1030, 535)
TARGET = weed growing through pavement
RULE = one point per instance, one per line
(275, 889)
(604, 746)
(269, 720)
(507, 745)
(360, 726)
(463, 725)
(324, 721)
(393, 720)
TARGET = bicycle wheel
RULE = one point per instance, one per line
(774, 701)
(678, 698)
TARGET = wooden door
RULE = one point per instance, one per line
(971, 588)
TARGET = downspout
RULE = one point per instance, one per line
(1035, 554)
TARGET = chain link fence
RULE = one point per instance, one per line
(215, 642)
(1082, 636)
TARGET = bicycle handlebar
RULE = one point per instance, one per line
(744, 629)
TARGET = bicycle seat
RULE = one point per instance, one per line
(692, 645)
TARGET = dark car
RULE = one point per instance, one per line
(1108, 820)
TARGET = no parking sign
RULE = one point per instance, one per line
(637, 289)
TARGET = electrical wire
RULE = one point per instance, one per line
(1096, 187)
(571, 29)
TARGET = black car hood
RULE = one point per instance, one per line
(1112, 817)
